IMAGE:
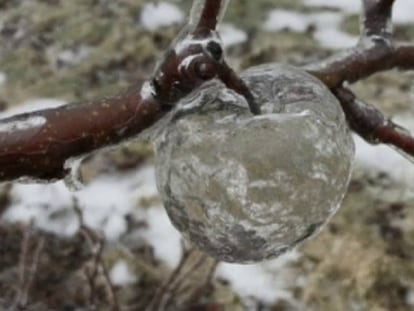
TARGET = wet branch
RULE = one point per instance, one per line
(372, 125)
(376, 18)
(38, 144)
(210, 14)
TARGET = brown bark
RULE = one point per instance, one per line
(210, 14)
(38, 144)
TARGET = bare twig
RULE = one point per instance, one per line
(29, 261)
(403, 56)
(98, 268)
(187, 282)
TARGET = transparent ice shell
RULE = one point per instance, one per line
(248, 188)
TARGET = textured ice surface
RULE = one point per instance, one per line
(246, 188)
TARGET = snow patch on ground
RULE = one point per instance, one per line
(160, 14)
(402, 11)
(348, 6)
(267, 282)
(283, 19)
(74, 56)
(328, 32)
(231, 35)
(161, 234)
(382, 158)
(326, 26)
(121, 275)
(104, 202)
(42, 203)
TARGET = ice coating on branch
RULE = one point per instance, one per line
(24, 123)
(186, 36)
(246, 188)
(73, 180)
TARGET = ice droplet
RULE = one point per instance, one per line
(73, 180)
(247, 188)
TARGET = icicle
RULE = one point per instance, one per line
(73, 180)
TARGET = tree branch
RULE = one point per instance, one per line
(371, 124)
(38, 144)
(352, 65)
(376, 18)
(403, 56)
(376, 51)
(210, 14)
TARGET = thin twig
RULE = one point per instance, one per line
(372, 125)
(186, 282)
(28, 266)
(99, 268)
(376, 18)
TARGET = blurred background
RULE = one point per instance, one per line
(55, 52)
